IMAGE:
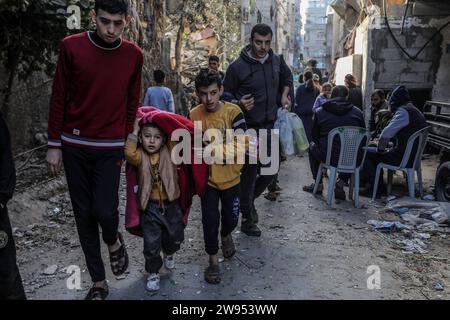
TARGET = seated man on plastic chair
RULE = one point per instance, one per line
(406, 121)
(336, 112)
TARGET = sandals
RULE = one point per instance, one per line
(97, 293)
(212, 274)
(271, 196)
(119, 259)
(228, 248)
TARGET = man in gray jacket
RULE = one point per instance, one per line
(254, 81)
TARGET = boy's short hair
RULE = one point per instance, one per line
(113, 6)
(152, 125)
(261, 29)
(207, 77)
(159, 76)
(213, 58)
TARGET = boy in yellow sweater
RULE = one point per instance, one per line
(224, 177)
(161, 217)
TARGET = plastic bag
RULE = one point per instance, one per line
(301, 143)
(286, 137)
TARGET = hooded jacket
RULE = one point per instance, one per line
(407, 120)
(247, 75)
(336, 112)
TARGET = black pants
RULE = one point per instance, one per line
(253, 184)
(373, 159)
(315, 158)
(11, 287)
(227, 218)
(162, 229)
(272, 187)
(93, 177)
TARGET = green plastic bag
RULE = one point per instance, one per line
(301, 143)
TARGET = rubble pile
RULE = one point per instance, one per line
(415, 222)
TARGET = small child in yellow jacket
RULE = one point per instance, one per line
(161, 216)
(224, 178)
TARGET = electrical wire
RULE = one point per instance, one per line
(404, 16)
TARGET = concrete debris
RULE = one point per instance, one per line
(50, 270)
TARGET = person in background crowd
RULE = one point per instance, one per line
(312, 66)
(323, 96)
(214, 63)
(378, 109)
(305, 96)
(159, 96)
(326, 77)
(355, 93)
(316, 81)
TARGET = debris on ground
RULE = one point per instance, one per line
(388, 226)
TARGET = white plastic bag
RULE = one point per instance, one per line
(286, 137)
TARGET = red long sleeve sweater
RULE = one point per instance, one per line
(96, 92)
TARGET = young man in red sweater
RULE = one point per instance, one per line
(96, 92)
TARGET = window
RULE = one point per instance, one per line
(320, 35)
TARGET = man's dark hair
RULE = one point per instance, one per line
(339, 91)
(213, 58)
(312, 63)
(308, 79)
(261, 29)
(207, 77)
(380, 93)
(113, 6)
(159, 76)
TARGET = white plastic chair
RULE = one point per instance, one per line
(420, 135)
(351, 139)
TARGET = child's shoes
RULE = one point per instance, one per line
(153, 282)
(169, 262)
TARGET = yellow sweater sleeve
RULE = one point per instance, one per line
(132, 154)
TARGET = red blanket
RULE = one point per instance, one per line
(193, 178)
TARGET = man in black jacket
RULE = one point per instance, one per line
(11, 287)
(336, 112)
(253, 80)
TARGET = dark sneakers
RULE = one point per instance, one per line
(250, 229)
(339, 192)
(310, 188)
(97, 293)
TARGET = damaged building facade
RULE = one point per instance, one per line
(384, 43)
(391, 42)
(283, 16)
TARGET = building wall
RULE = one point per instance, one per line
(280, 15)
(441, 90)
(385, 66)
